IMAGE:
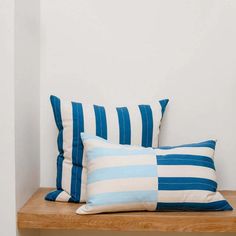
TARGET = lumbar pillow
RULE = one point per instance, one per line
(131, 178)
(136, 125)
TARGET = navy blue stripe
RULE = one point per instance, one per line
(52, 196)
(56, 106)
(209, 144)
(76, 185)
(147, 125)
(73, 200)
(222, 205)
(163, 104)
(178, 159)
(101, 121)
(60, 159)
(186, 183)
(124, 125)
(77, 150)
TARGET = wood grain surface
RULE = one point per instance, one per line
(40, 214)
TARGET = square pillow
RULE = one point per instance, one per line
(131, 178)
(136, 125)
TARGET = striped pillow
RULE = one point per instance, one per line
(137, 125)
(131, 178)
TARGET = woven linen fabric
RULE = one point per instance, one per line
(136, 125)
(131, 178)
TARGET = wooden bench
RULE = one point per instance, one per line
(40, 214)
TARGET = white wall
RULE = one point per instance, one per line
(7, 139)
(27, 72)
(19, 101)
(134, 50)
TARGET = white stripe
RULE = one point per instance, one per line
(186, 171)
(112, 125)
(122, 185)
(200, 196)
(201, 151)
(117, 161)
(63, 197)
(67, 122)
(92, 209)
(157, 115)
(135, 125)
(89, 119)
(66, 175)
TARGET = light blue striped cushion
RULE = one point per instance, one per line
(131, 178)
(136, 125)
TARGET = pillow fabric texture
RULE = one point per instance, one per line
(136, 125)
(131, 178)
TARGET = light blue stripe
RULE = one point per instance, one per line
(86, 136)
(122, 172)
(123, 198)
(101, 152)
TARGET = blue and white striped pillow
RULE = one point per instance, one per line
(136, 125)
(131, 178)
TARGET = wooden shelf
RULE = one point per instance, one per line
(40, 214)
